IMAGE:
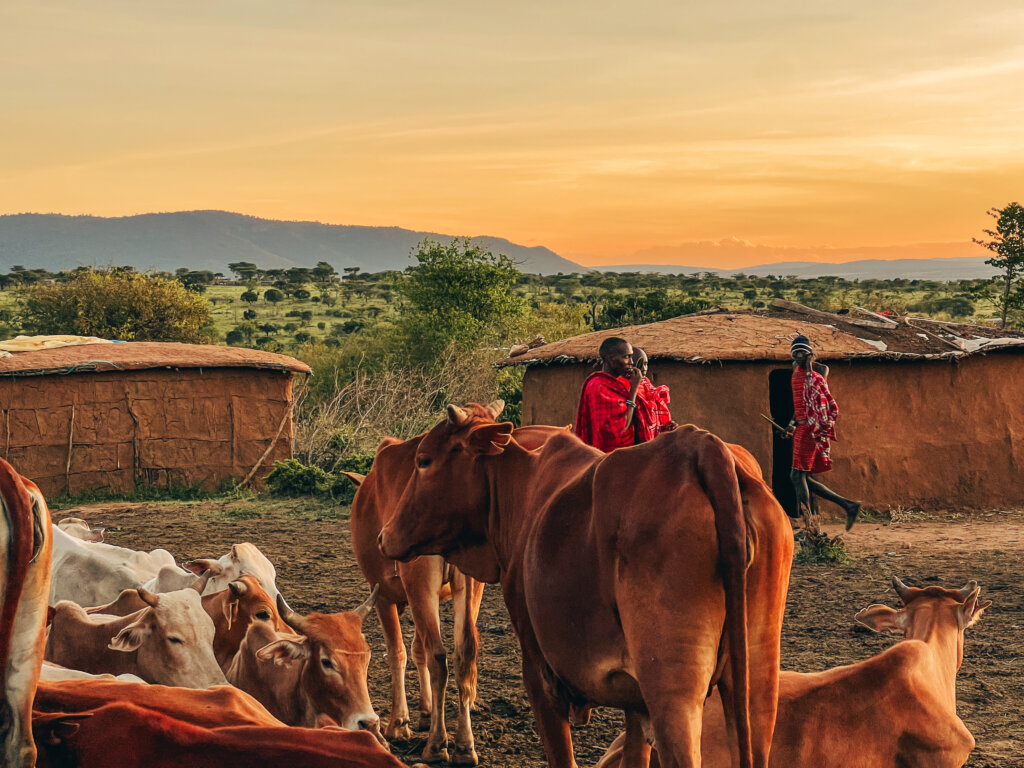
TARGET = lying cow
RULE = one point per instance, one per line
(55, 673)
(317, 670)
(25, 552)
(125, 735)
(169, 642)
(91, 573)
(232, 611)
(896, 708)
(616, 601)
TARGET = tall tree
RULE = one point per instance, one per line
(1008, 244)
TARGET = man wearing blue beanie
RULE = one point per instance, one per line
(813, 429)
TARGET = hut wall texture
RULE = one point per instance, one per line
(187, 427)
(933, 434)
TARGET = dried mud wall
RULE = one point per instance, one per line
(930, 434)
(187, 427)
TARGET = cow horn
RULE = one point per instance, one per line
(291, 618)
(199, 585)
(457, 416)
(148, 597)
(238, 588)
(901, 589)
(495, 408)
(364, 608)
(965, 591)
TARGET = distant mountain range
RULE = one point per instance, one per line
(863, 269)
(213, 239)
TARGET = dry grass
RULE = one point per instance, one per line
(387, 401)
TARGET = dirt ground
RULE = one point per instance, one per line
(316, 570)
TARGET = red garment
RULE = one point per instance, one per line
(601, 416)
(657, 399)
(813, 405)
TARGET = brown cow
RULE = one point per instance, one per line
(421, 584)
(319, 671)
(26, 549)
(232, 610)
(896, 708)
(122, 734)
(636, 600)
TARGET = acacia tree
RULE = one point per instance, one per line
(1008, 244)
(458, 294)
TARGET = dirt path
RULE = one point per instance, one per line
(310, 547)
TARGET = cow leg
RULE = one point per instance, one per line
(551, 716)
(398, 721)
(466, 596)
(428, 629)
(636, 751)
(419, 659)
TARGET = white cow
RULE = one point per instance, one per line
(93, 573)
(240, 559)
(170, 642)
(55, 673)
(80, 529)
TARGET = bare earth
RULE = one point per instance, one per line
(316, 570)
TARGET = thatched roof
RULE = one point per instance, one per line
(723, 335)
(138, 355)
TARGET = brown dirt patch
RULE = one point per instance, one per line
(310, 547)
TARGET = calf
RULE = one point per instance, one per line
(320, 670)
(232, 610)
(895, 709)
(25, 552)
(168, 642)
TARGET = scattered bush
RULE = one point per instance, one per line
(817, 548)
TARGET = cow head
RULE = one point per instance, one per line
(75, 526)
(240, 559)
(928, 610)
(173, 640)
(446, 502)
(336, 657)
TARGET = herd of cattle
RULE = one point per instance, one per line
(652, 579)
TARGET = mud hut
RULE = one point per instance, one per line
(930, 412)
(115, 416)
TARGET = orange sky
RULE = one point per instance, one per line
(611, 132)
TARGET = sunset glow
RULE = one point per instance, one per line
(639, 132)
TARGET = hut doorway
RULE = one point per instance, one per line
(780, 402)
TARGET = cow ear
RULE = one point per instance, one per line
(355, 478)
(284, 651)
(199, 567)
(970, 611)
(131, 637)
(881, 617)
(490, 439)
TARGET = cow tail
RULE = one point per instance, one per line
(16, 508)
(719, 476)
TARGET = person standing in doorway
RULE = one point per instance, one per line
(611, 413)
(812, 430)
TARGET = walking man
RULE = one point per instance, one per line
(812, 429)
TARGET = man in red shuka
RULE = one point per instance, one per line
(812, 429)
(611, 414)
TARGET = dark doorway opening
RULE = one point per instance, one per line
(780, 401)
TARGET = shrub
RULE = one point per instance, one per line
(116, 305)
(816, 547)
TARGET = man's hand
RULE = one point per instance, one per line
(635, 377)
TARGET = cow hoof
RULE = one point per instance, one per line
(465, 756)
(434, 755)
(424, 723)
(398, 730)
